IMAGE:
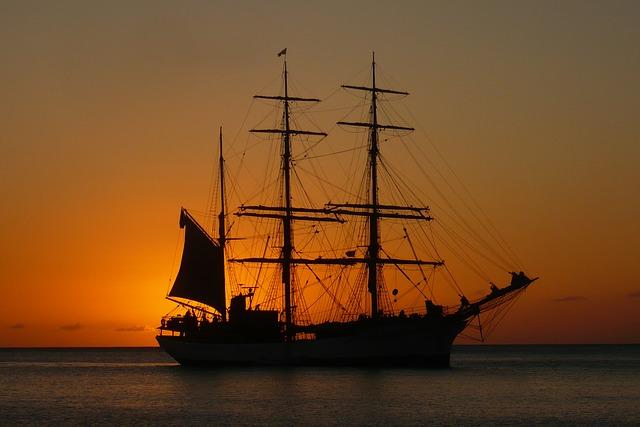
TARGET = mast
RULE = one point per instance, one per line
(287, 213)
(287, 245)
(333, 212)
(373, 252)
(222, 238)
(221, 216)
(374, 242)
(201, 276)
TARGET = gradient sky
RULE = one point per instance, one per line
(110, 111)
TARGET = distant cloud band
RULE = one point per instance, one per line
(72, 327)
(570, 298)
(132, 329)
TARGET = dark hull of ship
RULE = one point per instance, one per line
(422, 345)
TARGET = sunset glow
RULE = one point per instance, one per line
(110, 117)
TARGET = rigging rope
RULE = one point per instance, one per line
(497, 236)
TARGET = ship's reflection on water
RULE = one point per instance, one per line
(487, 385)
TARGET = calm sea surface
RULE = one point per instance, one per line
(487, 385)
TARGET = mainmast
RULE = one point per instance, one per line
(287, 246)
(286, 214)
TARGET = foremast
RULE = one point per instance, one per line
(375, 211)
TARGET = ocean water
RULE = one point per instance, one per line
(486, 386)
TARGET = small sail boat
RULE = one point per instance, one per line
(362, 326)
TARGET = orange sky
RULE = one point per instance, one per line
(109, 117)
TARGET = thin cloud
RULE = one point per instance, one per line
(571, 298)
(72, 327)
(635, 294)
(132, 329)
(17, 326)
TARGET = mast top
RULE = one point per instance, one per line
(221, 216)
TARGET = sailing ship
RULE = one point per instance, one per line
(361, 324)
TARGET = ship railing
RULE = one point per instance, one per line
(422, 310)
(404, 311)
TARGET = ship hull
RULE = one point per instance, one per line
(416, 347)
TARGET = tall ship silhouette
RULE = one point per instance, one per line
(347, 283)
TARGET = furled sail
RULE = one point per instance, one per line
(201, 274)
